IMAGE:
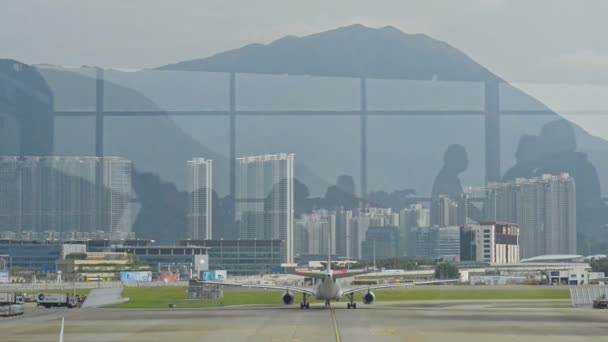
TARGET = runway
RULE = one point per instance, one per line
(420, 321)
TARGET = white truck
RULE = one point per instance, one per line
(11, 304)
(10, 298)
(49, 300)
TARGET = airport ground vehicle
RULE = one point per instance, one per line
(601, 303)
(11, 304)
(10, 298)
(49, 300)
(11, 310)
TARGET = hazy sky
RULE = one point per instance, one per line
(521, 40)
(540, 41)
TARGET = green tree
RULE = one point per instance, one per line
(599, 265)
(445, 270)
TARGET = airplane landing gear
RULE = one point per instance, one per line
(305, 304)
(327, 304)
(351, 299)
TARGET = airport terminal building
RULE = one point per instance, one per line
(38, 255)
(160, 258)
(43, 255)
(241, 257)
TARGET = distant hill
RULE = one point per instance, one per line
(404, 152)
(352, 51)
(158, 147)
(315, 72)
(26, 98)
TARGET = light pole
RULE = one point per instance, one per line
(374, 248)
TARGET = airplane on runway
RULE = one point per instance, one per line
(329, 289)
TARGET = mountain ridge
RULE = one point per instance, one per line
(398, 58)
(384, 53)
(403, 152)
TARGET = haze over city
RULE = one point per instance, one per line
(158, 156)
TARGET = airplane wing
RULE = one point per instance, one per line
(310, 274)
(266, 287)
(337, 274)
(387, 286)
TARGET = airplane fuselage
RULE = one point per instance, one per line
(328, 289)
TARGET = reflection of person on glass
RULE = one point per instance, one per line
(447, 182)
(455, 161)
(554, 151)
(528, 151)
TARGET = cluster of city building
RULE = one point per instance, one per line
(527, 217)
(65, 196)
(264, 199)
(51, 207)
(87, 198)
(376, 233)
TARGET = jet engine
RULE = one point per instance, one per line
(368, 297)
(288, 298)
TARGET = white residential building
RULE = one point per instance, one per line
(313, 233)
(494, 243)
(409, 219)
(264, 199)
(200, 204)
(62, 194)
(360, 222)
(444, 211)
(544, 208)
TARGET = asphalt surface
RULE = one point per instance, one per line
(103, 297)
(419, 321)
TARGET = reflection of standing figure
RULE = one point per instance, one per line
(447, 183)
(528, 151)
(455, 161)
(553, 152)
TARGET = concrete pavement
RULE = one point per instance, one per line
(388, 321)
(102, 297)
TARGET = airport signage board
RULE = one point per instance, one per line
(4, 277)
(277, 269)
(48, 268)
(220, 275)
(134, 277)
(217, 275)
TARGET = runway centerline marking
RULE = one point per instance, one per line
(336, 329)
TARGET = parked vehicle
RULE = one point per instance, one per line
(11, 310)
(601, 302)
(11, 304)
(10, 298)
(49, 300)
